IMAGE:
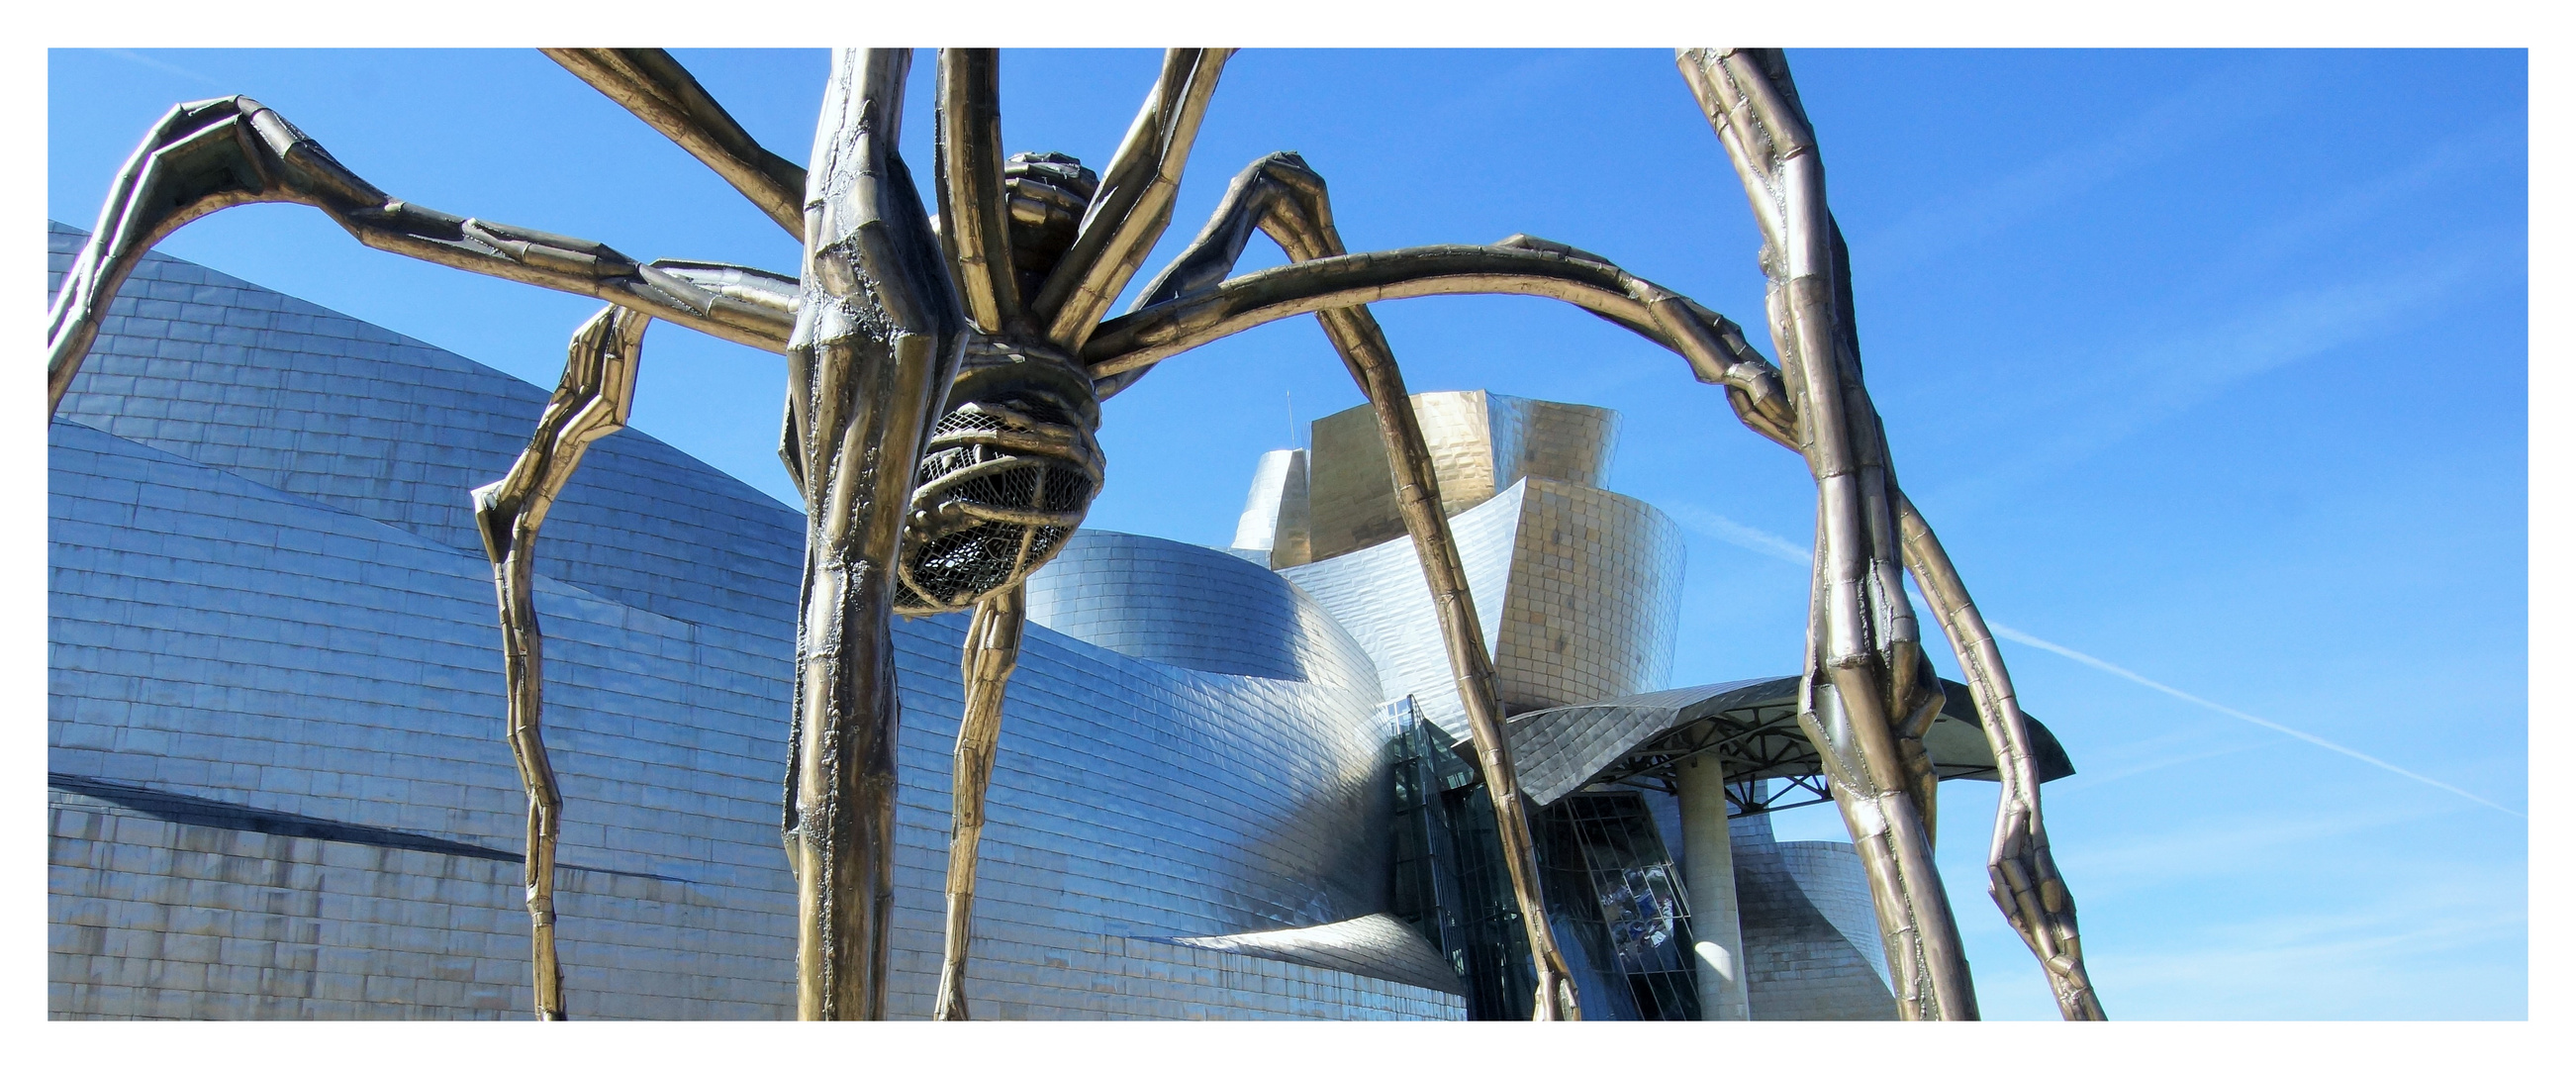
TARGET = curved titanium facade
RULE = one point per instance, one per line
(1193, 607)
(1811, 945)
(280, 788)
(1578, 590)
(1596, 601)
(1481, 443)
(1274, 527)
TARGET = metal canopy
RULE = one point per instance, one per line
(1752, 723)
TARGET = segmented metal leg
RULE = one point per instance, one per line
(1710, 344)
(1282, 197)
(976, 237)
(1866, 661)
(876, 342)
(974, 207)
(992, 650)
(654, 86)
(2022, 877)
(593, 401)
(214, 154)
(1134, 202)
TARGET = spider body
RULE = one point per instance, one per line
(944, 394)
(1014, 462)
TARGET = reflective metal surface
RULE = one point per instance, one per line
(885, 303)
(1751, 723)
(1375, 945)
(1194, 607)
(268, 592)
(1811, 943)
(1277, 519)
(1481, 443)
(1578, 588)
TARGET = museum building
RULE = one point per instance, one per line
(1229, 783)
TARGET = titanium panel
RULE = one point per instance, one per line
(1348, 500)
(1811, 944)
(1276, 516)
(1194, 607)
(1594, 600)
(1553, 440)
(266, 593)
(1379, 597)
(1577, 590)
(1481, 443)
(1375, 945)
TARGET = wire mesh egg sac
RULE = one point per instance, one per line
(1012, 467)
(1001, 486)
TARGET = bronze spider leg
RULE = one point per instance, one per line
(1134, 202)
(1119, 226)
(1712, 345)
(653, 86)
(1867, 526)
(593, 401)
(1868, 693)
(974, 206)
(214, 154)
(1285, 199)
(878, 335)
(2022, 876)
(648, 82)
(992, 650)
(975, 220)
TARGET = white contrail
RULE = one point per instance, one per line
(1781, 549)
(2005, 632)
(1752, 538)
(131, 56)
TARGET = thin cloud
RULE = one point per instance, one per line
(2090, 661)
(2498, 143)
(2096, 779)
(1776, 547)
(2177, 372)
(2162, 373)
(2411, 952)
(1752, 538)
(2174, 125)
(2241, 842)
(164, 67)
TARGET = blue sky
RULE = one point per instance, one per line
(2209, 367)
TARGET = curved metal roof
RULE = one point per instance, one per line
(1753, 723)
(1378, 945)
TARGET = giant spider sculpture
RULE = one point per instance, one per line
(944, 387)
